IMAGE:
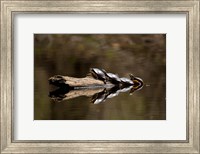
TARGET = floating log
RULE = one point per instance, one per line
(87, 81)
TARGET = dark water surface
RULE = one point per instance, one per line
(73, 55)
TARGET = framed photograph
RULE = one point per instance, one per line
(100, 76)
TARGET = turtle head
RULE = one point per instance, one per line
(91, 70)
(131, 76)
(104, 71)
(93, 73)
(138, 82)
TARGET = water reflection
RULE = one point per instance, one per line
(110, 93)
(97, 95)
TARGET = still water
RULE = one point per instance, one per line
(73, 55)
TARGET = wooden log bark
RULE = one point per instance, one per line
(87, 81)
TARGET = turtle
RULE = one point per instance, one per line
(113, 78)
(98, 74)
(138, 82)
(126, 81)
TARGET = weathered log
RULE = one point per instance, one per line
(87, 81)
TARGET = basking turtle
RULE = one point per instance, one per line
(113, 78)
(98, 74)
(126, 81)
(138, 83)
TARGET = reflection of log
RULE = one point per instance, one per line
(98, 94)
(88, 81)
(65, 94)
(84, 92)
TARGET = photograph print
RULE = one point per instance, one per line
(99, 76)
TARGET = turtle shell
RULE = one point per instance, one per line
(126, 81)
(138, 82)
(113, 78)
(98, 74)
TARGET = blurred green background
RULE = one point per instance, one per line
(143, 55)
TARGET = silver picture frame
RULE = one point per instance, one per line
(10, 7)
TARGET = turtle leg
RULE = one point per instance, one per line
(104, 81)
(94, 76)
(89, 75)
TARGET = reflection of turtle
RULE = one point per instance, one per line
(99, 97)
(98, 74)
(126, 81)
(112, 92)
(125, 89)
